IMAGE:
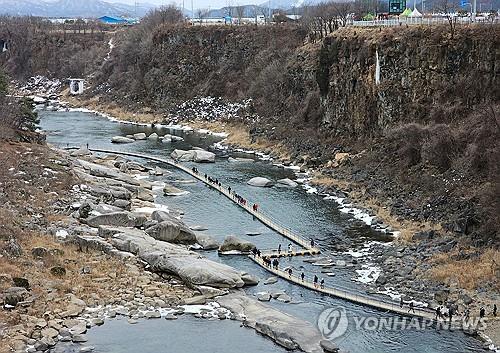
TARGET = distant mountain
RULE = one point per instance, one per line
(72, 8)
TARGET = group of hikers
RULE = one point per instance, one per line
(441, 312)
(447, 313)
(274, 264)
(241, 200)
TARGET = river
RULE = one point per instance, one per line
(307, 214)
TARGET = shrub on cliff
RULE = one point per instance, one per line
(439, 148)
(4, 83)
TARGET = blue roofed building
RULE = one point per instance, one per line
(112, 20)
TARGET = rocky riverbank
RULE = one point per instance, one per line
(406, 269)
(99, 247)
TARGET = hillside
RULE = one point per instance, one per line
(404, 121)
(423, 135)
(71, 8)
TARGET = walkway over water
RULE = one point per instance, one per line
(344, 293)
(307, 249)
(265, 219)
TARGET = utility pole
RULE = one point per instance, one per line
(192, 11)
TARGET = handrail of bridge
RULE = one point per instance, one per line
(265, 219)
(337, 292)
(347, 294)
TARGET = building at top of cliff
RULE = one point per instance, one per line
(115, 20)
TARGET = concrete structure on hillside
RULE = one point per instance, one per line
(3, 46)
(76, 86)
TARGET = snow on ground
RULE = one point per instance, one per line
(209, 109)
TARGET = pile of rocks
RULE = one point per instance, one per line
(210, 109)
(41, 85)
(158, 238)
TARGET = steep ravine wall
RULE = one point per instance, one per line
(424, 76)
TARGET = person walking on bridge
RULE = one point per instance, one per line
(322, 283)
(401, 302)
(312, 243)
(290, 248)
(466, 314)
(254, 252)
(279, 249)
(289, 272)
(315, 281)
(302, 275)
(411, 307)
(438, 313)
(482, 312)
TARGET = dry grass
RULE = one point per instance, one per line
(406, 228)
(327, 181)
(470, 273)
(112, 109)
(239, 136)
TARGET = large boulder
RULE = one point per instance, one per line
(204, 157)
(106, 172)
(250, 280)
(170, 190)
(140, 136)
(161, 216)
(13, 295)
(183, 155)
(260, 182)
(80, 152)
(153, 136)
(177, 260)
(286, 330)
(172, 231)
(206, 241)
(121, 139)
(117, 219)
(233, 243)
(287, 183)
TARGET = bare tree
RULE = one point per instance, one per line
(162, 15)
(240, 12)
(447, 8)
(202, 13)
(342, 11)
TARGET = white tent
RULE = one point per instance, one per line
(415, 13)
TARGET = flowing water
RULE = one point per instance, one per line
(308, 215)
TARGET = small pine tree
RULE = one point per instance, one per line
(29, 117)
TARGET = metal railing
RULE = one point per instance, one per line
(265, 219)
(422, 21)
(337, 291)
(348, 294)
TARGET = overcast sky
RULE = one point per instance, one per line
(196, 3)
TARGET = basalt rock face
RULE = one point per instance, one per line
(370, 80)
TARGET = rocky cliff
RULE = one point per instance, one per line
(374, 79)
(409, 103)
